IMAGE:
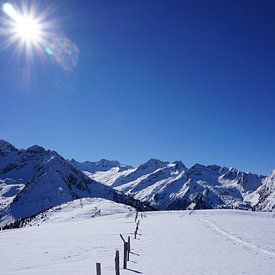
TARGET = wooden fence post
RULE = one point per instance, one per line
(125, 252)
(136, 216)
(122, 238)
(98, 268)
(125, 255)
(117, 263)
(129, 248)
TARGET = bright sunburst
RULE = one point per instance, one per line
(24, 27)
(32, 31)
(28, 29)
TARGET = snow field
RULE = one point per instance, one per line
(176, 242)
(207, 242)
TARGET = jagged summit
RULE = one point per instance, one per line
(102, 165)
(36, 149)
(179, 165)
(152, 164)
(6, 146)
(213, 169)
(156, 162)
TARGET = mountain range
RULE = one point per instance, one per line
(34, 180)
(173, 186)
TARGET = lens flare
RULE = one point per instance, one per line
(64, 53)
(10, 10)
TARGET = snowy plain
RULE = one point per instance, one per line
(70, 239)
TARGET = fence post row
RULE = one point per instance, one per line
(126, 250)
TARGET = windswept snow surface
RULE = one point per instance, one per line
(177, 242)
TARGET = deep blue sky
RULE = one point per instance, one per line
(188, 80)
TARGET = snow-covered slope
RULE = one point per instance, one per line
(8, 190)
(267, 194)
(81, 209)
(109, 177)
(102, 165)
(173, 186)
(176, 242)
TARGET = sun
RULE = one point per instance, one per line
(28, 29)
(24, 26)
(31, 29)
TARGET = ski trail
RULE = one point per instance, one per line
(237, 239)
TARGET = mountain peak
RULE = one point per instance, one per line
(197, 168)
(180, 166)
(6, 146)
(35, 149)
(101, 165)
(212, 169)
(109, 162)
(154, 162)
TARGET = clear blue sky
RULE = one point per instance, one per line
(188, 80)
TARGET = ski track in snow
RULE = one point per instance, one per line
(236, 239)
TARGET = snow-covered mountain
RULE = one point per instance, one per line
(102, 165)
(173, 186)
(266, 192)
(36, 179)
